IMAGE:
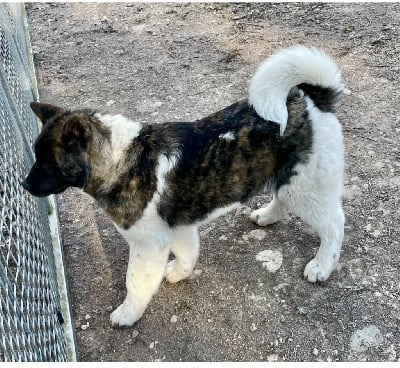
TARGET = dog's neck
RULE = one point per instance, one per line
(107, 151)
(114, 168)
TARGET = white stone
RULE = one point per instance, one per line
(271, 259)
(273, 358)
(153, 344)
(135, 334)
(257, 234)
(376, 234)
(363, 339)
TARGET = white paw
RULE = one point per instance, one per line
(125, 315)
(263, 217)
(317, 270)
(174, 273)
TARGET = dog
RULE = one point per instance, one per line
(159, 182)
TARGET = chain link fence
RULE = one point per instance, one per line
(34, 312)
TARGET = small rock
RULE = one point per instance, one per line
(223, 237)
(195, 274)
(87, 317)
(85, 326)
(315, 352)
(351, 192)
(271, 259)
(346, 91)
(273, 358)
(365, 338)
(153, 344)
(376, 234)
(255, 234)
(303, 310)
(208, 229)
(110, 102)
(174, 319)
(135, 334)
(253, 327)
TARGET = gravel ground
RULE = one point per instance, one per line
(160, 62)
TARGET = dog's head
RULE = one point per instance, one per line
(61, 151)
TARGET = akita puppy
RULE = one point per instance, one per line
(158, 182)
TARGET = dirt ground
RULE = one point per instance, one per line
(160, 62)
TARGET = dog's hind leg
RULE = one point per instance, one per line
(329, 223)
(325, 215)
(185, 247)
(274, 212)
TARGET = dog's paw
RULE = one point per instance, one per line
(125, 315)
(263, 217)
(317, 270)
(174, 273)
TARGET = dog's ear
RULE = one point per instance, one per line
(76, 134)
(45, 111)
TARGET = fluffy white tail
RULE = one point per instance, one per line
(291, 67)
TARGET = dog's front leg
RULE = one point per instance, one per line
(147, 260)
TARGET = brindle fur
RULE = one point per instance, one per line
(211, 171)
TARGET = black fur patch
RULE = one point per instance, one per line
(325, 98)
(214, 172)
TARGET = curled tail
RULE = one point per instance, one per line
(309, 69)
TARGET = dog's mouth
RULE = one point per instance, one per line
(40, 192)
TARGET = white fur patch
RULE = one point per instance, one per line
(229, 136)
(123, 131)
(286, 69)
(165, 165)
